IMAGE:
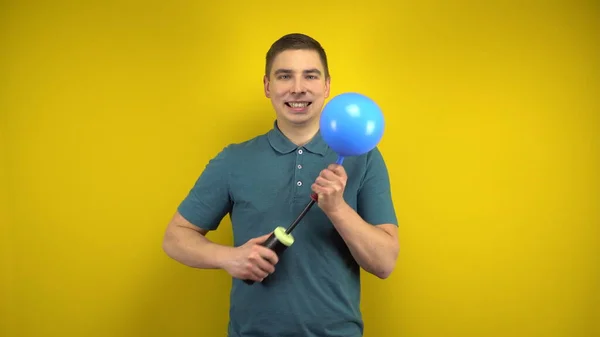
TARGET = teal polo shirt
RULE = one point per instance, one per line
(264, 183)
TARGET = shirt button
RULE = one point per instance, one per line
(299, 166)
(300, 151)
(299, 183)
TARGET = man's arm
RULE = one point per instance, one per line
(371, 232)
(375, 248)
(188, 244)
(201, 211)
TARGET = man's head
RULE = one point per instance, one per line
(297, 78)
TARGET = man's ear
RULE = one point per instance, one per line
(327, 86)
(266, 84)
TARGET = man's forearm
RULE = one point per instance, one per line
(193, 249)
(374, 249)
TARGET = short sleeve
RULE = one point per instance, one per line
(209, 200)
(375, 203)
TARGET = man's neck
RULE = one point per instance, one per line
(299, 135)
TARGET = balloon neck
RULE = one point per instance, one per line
(340, 160)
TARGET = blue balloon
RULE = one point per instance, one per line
(351, 124)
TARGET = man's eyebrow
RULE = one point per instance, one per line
(289, 71)
(312, 71)
(283, 71)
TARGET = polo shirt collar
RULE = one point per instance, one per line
(282, 144)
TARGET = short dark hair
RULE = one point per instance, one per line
(295, 41)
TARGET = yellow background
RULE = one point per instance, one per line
(492, 142)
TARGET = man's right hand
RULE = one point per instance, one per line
(252, 261)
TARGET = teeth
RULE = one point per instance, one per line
(298, 104)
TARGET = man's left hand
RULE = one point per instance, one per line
(329, 186)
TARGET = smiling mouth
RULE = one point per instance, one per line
(298, 105)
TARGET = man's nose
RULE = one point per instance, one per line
(298, 87)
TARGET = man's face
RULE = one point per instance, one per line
(297, 86)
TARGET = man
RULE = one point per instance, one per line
(313, 288)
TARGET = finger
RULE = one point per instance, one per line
(262, 254)
(269, 255)
(265, 266)
(329, 185)
(326, 189)
(328, 178)
(335, 177)
(263, 251)
(322, 181)
(260, 268)
(258, 274)
(329, 175)
(260, 239)
(253, 272)
(337, 169)
(259, 264)
(321, 190)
